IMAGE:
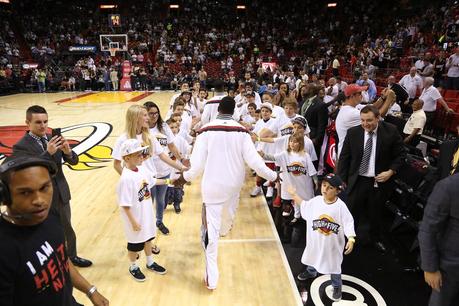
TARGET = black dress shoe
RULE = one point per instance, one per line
(380, 247)
(81, 262)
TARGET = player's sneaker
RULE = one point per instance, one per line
(137, 274)
(156, 268)
(336, 296)
(269, 192)
(305, 276)
(287, 211)
(256, 191)
(163, 228)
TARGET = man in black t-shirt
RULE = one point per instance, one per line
(34, 267)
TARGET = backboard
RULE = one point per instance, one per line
(113, 41)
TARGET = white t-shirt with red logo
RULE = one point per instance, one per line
(327, 225)
(164, 138)
(297, 171)
(133, 191)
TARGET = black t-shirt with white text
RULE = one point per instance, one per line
(34, 268)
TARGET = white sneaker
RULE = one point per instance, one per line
(269, 192)
(256, 191)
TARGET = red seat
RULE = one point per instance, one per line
(451, 94)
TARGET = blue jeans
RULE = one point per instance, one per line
(174, 196)
(158, 193)
(336, 280)
(41, 86)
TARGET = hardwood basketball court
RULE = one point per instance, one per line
(252, 263)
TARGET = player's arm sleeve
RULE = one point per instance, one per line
(436, 215)
(205, 117)
(198, 158)
(254, 160)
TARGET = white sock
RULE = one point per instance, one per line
(133, 265)
(150, 260)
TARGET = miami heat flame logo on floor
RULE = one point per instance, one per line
(91, 154)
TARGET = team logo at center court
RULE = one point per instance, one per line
(325, 225)
(91, 154)
(356, 292)
(296, 169)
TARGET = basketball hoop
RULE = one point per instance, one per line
(112, 51)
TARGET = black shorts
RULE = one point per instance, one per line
(137, 247)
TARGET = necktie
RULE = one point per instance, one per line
(44, 143)
(366, 154)
(455, 162)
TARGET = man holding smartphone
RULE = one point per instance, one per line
(56, 148)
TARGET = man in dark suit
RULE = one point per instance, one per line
(448, 159)
(438, 236)
(316, 114)
(36, 142)
(372, 153)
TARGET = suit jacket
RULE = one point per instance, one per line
(439, 229)
(390, 153)
(447, 150)
(27, 145)
(317, 117)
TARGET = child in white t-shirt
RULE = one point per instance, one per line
(297, 170)
(174, 195)
(329, 222)
(134, 198)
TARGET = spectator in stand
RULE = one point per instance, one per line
(401, 95)
(415, 124)
(371, 86)
(114, 78)
(316, 115)
(335, 67)
(348, 115)
(428, 69)
(440, 70)
(452, 64)
(412, 83)
(341, 84)
(41, 79)
(431, 96)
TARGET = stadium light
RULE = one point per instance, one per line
(333, 4)
(174, 6)
(4, 1)
(108, 6)
(240, 7)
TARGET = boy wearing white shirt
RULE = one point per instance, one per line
(134, 198)
(329, 221)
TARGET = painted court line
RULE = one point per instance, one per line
(74, 97)
(140, 97)
(247, 240)
(296, 293)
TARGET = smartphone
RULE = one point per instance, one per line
(56, 132)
